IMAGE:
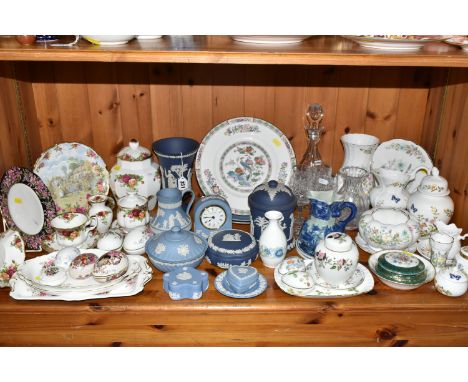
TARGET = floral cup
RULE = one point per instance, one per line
(441, 243)
(73, 228)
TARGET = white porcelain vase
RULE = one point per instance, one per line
(273, 243)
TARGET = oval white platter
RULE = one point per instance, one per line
(239, 154)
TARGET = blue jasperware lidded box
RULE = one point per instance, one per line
(270, 196)
(184, 283)
(231, 247)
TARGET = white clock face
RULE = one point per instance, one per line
(213, 217)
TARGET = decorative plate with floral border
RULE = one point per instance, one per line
(47, 208)
(405, 156)
(239, 154)
(393, 42)
(73, 172)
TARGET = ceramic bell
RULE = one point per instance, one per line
(272, 196)
(431, 202)
(135, 171)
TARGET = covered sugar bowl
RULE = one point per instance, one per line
(431, 202)
(132, 211)
(270, 196)
(451, 281)
(135, 171)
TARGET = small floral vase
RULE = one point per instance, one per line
(273, 243)
(336, 258)
(102, 211)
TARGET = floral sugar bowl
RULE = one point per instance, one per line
(451, 281)
(231, 247)
(176, 249)
(336, 258)
(272, 196)
(135, 171)
(431, 202)
(132, 211)
(185, 283)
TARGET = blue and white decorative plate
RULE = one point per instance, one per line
(254, 292)
(238, 155)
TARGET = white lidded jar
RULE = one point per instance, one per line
(431, 202)
(336, 258)
(135, 171)
(273, 243)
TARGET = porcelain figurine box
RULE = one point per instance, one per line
(231, 247)
(185, 283)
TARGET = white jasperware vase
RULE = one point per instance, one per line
(273, 243)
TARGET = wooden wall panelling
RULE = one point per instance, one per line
(166, 100)
(322, 88)
(382, 103)
(104, 106)
(13, 148)
(228, 92)
(414, 88)
(259, 92)
(290, 104)
(351, 107)
(135, 103)
(452, 151)
(72, 100)
(46, 104)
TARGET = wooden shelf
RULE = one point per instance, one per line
(317, 50)
(382, 317)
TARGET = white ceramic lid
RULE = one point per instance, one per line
(134, 152)
(454, 274)
(132, 200)
(338, 242)
(434, 184)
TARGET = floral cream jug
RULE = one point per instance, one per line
(171, 213)
(390, 189)
(455, 232)
(273, 243)
(101, 207)
(336, 258)
(135, 171)
(431, 202)
(132, 211)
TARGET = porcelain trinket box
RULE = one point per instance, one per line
(185, 283)
(110, 266)
(82, 266)
(231, 247)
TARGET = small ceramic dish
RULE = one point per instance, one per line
(110, 266)
(290, 264)
(301, 280)
(82, 266)
(394, 283)
(222, 288)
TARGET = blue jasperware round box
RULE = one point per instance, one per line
(231, 247)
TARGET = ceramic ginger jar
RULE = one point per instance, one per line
(431, 202)
(135, 171)
(336, 258)
(272, 196)
(388, 228)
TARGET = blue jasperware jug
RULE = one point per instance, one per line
(171, 213)
(321, 222)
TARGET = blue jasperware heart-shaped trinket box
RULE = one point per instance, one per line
(240, 279)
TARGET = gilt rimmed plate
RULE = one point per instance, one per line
(269, 39)
(405, 43)
(239, 154)
(355, 288)
(72, 172)
(405, 156)
(27, 205)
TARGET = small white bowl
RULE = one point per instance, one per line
(109, 40)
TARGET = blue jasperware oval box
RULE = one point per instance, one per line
(231, 247)
(185, 283)
(272, 196)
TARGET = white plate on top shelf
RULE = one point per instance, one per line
(405, 156)
(239, 154)
(404, 43)
(270, 39)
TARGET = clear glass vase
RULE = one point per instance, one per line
(352, 190)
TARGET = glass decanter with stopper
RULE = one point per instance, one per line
(314, 130)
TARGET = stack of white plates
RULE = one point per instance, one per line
(26, 285)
